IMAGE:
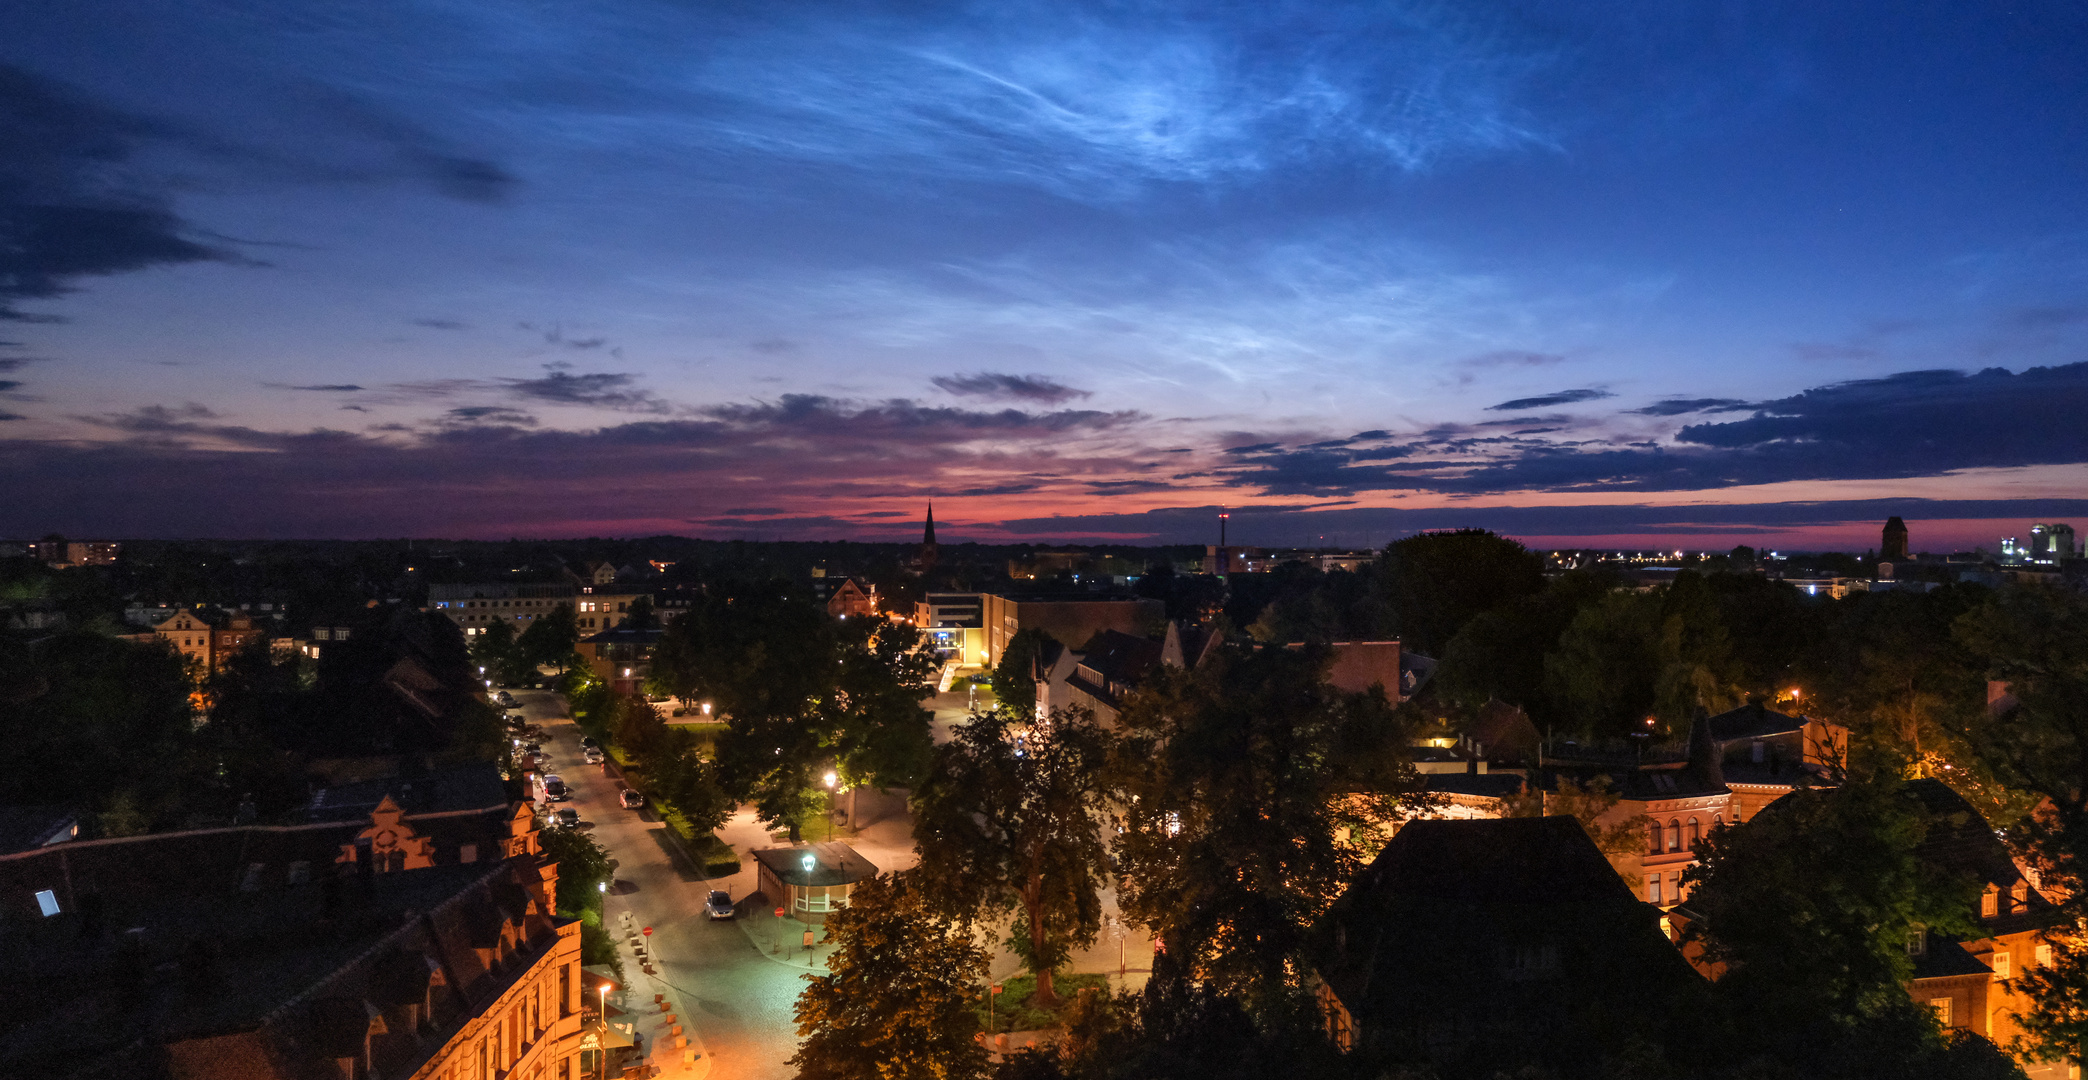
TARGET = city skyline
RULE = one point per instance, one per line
(1623, 279)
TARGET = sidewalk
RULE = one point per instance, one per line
(672, 1047)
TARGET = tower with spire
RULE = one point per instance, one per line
(926, 559)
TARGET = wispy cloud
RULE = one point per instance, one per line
(1546, 401)
(986, 384)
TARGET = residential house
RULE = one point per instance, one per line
(1487, 944)
(1070, 618)
(605, 607)
(852, 598)
(622, 657)
(190, 634)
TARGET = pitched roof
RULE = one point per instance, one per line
(1753, 721)
(834, 863)
(1547, 860)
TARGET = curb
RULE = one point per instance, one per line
(672, 1046)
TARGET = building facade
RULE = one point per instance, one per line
(475, 607)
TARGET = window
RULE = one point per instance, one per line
(1942, 1007)
(1654, 847)
(47, 902)
(1917, 941)
(1674, 836)
(1990, 903)
(2044, 956)
(565, 990)
(1695, 833)
(467, 853)
(1756, 751)
(2003, 963)
(1652, 888)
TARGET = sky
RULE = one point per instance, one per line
(1616, 275)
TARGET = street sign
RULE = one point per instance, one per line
(779, 913)
(647, 931)
(808, 939)
(998, 989)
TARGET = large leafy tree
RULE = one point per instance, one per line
(1810, 906)
(801, 693)
(1014, 681)
(896, 1002)
(549, 640)
(1436, 582)
(2036, 641)
(102, 719)
(1011, 821)
(1252, 792)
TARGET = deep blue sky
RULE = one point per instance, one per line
(1650, 273)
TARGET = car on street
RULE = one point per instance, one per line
(506, 700)
(555, 789)
(594, 755)
(631, 800)
(565, 817)
(719, 904)
(588, 742)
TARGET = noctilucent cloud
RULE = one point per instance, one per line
(1649, 275)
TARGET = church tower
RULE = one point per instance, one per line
(927, 558)
(1894, 547)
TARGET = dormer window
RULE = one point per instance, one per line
(1990, 903)
(1917, 941)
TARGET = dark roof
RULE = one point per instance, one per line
(835, 863)
(1753, 721)
(26, 827)
(1120, 657)
(472, 786)
(625, 635)
(1493, 861)
(1495, 785)
(1944, 958)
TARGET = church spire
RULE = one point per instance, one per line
(928, 533)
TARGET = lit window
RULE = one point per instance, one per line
(47, 902)
(1942, 1007)
(2044, 956)
(2003, 967)
(1652, 888)
(1990, 904)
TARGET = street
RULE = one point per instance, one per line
(740, 979)
(739, 1000)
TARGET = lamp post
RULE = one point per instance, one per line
(831, 779)
(602, 1055)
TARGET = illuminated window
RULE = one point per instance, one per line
(1652, 888)
(47, 902)
(1942, 1007)
(1990, 904)
(2002, 963)
(2044, 956)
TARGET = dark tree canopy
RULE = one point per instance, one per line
(897, 1000)
(1436, 582)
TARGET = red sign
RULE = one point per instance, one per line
(998, 989)
(779, 913)
(647, 931)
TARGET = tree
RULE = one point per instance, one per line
(2036, 641)
(583, 867)
(896, 1002)
(1252, 793)
(1006, 821)
(1014, 681)
(493, 651)
(1436, 582)
(549, 640)
(1500, 653)
(1810, 906)
(801, 693)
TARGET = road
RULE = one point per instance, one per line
(739, 1001)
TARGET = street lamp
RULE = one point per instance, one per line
(602, 1055)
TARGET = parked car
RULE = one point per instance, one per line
(555, 789)
(719, 904)
(565, 817)
(631, 800)
(594, 755)
(588, 742)
(506, 699)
